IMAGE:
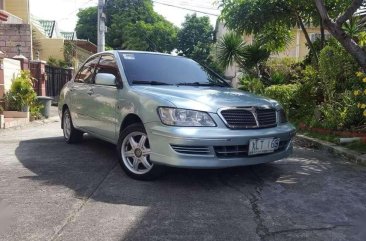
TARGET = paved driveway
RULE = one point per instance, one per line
(53, 191)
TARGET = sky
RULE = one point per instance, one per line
(64, 11)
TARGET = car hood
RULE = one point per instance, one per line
(208, 99)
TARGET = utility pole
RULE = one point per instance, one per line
(101, 26)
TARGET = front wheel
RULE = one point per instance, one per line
(134, 154)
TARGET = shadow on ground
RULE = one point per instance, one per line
(82, 167)
(300, 197)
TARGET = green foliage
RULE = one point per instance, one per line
(53, 62)
(271, 20)
(281, 71)
(232, 49)
(342, 113)
(35, 110)
(311, 57)
(354, 27)
(86, 24)
(254, 55)
(285, 94)
(11, 101)
(133, 24)
(253, 85)
(274, 38)
(160, 36)
(69, 53)
(260, 17)
(1, 109)
(21, 93)
(195, 38)
(336, 71)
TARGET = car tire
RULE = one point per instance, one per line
(71, 135)
(134, 154)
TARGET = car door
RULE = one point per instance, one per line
(104, 100)
(80, 94)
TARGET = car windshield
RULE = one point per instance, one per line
(157, 69)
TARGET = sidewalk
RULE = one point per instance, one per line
(337, 150)
(53, 118)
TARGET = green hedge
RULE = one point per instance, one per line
(285, 94)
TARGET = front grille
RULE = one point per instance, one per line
(239, 118)
(191, 150)
(266, 117)
(249, 117)
(241, 150)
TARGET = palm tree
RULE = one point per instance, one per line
(232, 49)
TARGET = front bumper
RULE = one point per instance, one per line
(162, 138)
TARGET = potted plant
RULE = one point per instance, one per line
(22, 88)
(20, 96)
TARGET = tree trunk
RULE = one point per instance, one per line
(335, 28)
(308, 40)
(347, 42)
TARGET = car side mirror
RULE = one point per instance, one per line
(105, 79)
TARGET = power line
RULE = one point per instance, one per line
(189, 9)
(190, 4)
(74, 11)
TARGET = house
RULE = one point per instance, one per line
(297, 49)
(50, 42)
(36, 38)
(15, 28)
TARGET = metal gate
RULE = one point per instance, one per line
(56, 79)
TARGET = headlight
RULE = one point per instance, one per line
(182, 117)
(282, 118)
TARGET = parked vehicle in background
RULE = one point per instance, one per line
(162, 110)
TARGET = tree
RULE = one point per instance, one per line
(86, 26)
(133, 24)
(272, 21)
(335, 28)
(232, 49)
(195, 38)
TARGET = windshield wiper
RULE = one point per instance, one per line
(147, 82)
(199, 84)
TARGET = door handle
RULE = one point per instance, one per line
(90, 92)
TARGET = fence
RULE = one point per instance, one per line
(50, 80)
(56, 79)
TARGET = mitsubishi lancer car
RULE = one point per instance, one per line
(162, 110)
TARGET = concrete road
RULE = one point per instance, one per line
(53, 191)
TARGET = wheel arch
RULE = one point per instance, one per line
(130, 119)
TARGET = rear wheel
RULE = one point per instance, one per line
(134, 154)
(71, 134)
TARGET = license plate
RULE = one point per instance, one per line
(262, 146)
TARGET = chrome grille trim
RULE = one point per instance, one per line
(238, 151)
(253, 117)
(193, 150)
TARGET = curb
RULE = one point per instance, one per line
(51, 119)
(336, 150)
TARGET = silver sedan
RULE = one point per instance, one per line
(163, 110)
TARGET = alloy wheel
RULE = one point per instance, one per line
(135, 152)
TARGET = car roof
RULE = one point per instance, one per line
(136, 51)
